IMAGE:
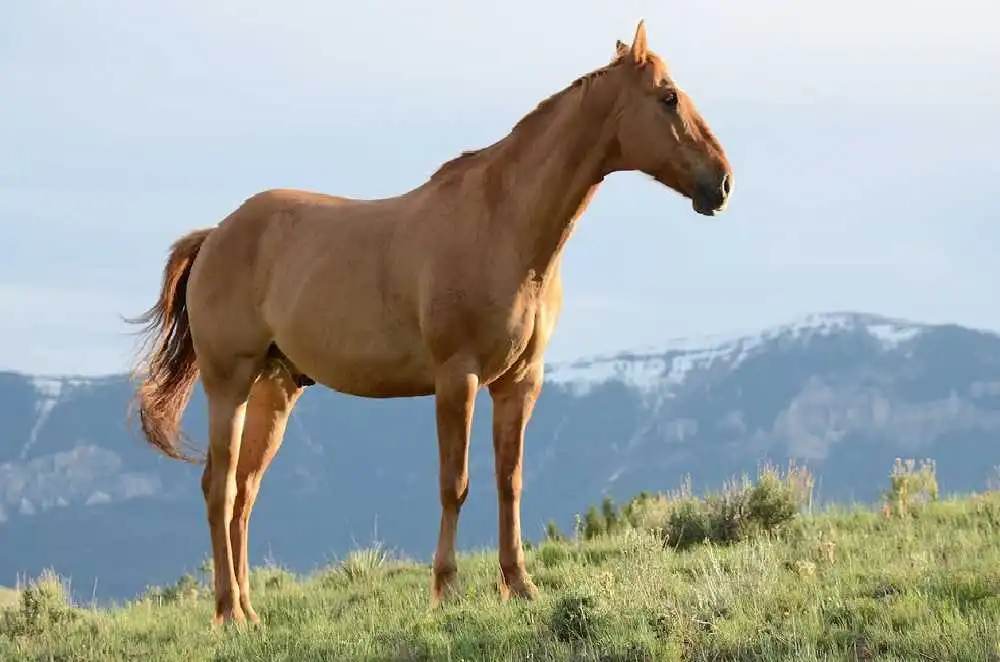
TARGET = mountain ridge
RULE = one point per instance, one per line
(844, 393)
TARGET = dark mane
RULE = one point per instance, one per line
(469, 157)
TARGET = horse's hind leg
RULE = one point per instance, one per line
(226, 389)
(271, 401)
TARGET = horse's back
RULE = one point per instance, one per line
(273, 222)
(280, 196)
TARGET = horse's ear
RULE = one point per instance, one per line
(640, 49)
(621, 48)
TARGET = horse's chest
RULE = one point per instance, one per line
(510, 339)
(497, 326)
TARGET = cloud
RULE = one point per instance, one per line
(863, 137)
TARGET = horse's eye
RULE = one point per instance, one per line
(670, 99)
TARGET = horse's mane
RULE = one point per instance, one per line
(544, 108)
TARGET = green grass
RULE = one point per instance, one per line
(848, 584)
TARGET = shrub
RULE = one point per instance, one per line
(743, 509)
(910, 487)
(186, 589)
(594, 524)
(610, 514)
(359, 564)
(608, 520)
(270, 577)
(44, 603)
(553, 533)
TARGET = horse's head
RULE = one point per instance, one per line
(661, 133)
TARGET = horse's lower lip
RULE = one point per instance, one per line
(705, 210)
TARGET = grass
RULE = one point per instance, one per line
(843, 584)
(9, 597)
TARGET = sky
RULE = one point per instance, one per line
(862, 135)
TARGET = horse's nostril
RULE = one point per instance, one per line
(727, 184)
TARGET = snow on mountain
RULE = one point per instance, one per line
(50, 390)
(46, 468)
(666, 365)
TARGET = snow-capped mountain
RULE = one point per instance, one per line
(844, 392)
(669, 364)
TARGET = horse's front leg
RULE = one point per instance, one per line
(455, 395)
(513, 401)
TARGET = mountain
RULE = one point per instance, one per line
(845, 393)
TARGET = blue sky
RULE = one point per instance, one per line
(863, 138)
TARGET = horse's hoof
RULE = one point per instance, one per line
(444, 587)
(229, 617)
(518, 585)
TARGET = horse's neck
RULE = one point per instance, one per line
(555, 174)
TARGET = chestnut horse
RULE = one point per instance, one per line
(447, 288)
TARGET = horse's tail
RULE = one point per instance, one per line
(171, 366)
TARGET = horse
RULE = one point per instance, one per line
(447, 288)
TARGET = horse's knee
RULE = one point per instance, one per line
(454, 491)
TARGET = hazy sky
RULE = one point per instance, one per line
(862, 134)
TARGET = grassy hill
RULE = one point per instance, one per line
(916, 580)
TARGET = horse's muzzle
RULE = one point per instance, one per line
(711, 197)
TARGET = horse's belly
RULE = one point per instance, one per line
(368, 358)
(372, 375)
(373, 379)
